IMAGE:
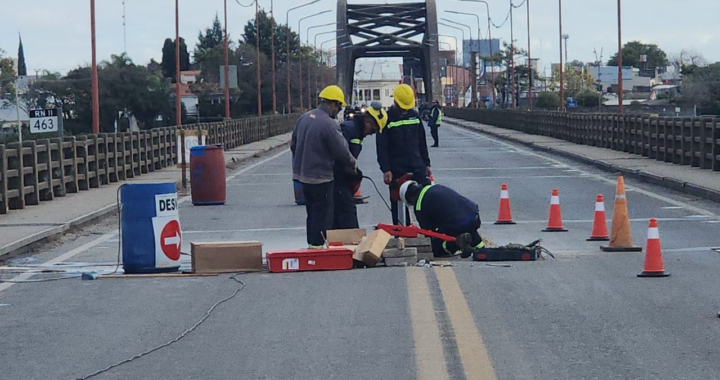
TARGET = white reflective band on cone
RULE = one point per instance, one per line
(619, 196)
(555, 200)
(599, 206)
(504, 194)
(653, 233)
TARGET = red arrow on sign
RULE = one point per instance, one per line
(171, 240)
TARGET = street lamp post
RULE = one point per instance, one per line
(257, 53)
(620, 77)
(530, 72)
(300, 58)
(94, 72)
(178, 103)
(227, 70)
(562, 91)
(307, 42)
(463, 37)
(317, 69)
(473, 85)
(492, 61)
(272, 55)
(287, 42)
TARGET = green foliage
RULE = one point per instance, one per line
(701, 88)
(22, 68)
(214, 36)
(124, 87)
(588, 98)
(7, 75)
(632, 51)
(282, 33)
(576, 81)
(548, 100)
(168, 58)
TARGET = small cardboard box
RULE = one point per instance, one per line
(226, 257)
(346, 237)
(372, 247)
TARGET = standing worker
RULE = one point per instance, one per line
(441, 209)
(373, 120)
(402, 148)
(435, 121)
(317, 146)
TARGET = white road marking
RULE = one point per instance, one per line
(671, 208)
(579, 175)
(595, 176)
(503, 169)
(65, 256)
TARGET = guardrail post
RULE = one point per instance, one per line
(715, 151)
(91, 145)
(3, 181)
(82, 166)
(44, 169)
(30, 174)
(16, 185)
(56, 162)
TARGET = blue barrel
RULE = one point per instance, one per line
(146, 208)
(207, 175)
(299, 195)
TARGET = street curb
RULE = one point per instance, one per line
(28, 243)
(666, 182)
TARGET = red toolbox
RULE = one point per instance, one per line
(334, 258)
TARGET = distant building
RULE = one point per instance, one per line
(367, 91)
(483, 47)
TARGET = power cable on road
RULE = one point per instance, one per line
(184, 334)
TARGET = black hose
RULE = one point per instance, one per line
(379, 193)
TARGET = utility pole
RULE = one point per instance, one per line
(257, 63)
(530, 67)
(512, 58)
(94, 74)
(227, 69)
(620, 77)
(178, 103)
(562, 92)
(272, 54)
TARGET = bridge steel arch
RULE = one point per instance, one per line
(389, 30)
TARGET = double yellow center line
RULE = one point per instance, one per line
(429, 353)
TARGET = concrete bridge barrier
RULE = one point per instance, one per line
(55, 167)
(692, 141)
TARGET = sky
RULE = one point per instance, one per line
(56, 33)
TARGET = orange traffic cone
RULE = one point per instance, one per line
(599, 231)
(620, 235)
(359, 198)
(555, 223)
(653, 255)
(504, 214)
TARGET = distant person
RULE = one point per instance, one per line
(435, 121)
(402, 148)
(317, 146)
(363, 124)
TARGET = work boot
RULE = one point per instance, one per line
(464, 241)
(476, 249)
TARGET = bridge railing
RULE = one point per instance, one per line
(55, 167)
(692, 141)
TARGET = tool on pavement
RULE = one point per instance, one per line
(555, 223)
(412, 232)
(620, 235)
(654, 266)
(504, 214)
(512, 252)
(333, 258)
(599, 230)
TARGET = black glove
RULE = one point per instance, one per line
(355, 175)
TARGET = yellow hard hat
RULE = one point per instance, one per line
(333, 93)
(379, 114)
(404, 96)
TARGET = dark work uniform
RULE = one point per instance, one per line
(442, 209)
(402, 149)
(345, 214)
(435, 120)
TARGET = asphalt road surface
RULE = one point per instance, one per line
(584, 315)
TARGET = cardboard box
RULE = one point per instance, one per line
(226, 257)
(346, 237)
(372, 247)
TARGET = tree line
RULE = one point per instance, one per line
(146, 92)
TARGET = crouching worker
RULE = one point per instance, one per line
(441, 209)
(347, 184)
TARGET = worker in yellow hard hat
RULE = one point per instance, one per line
(318, 146)
(402, 149)
(363, 124)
